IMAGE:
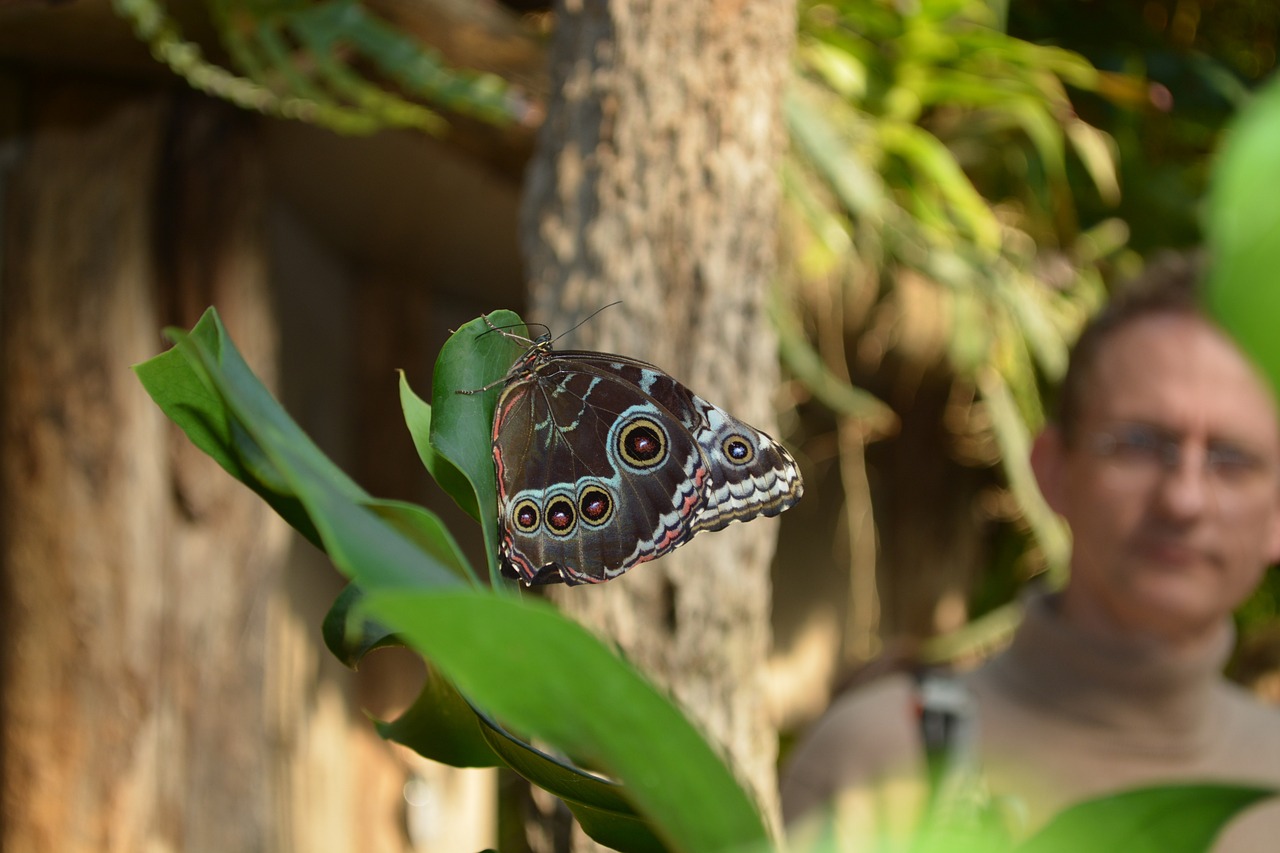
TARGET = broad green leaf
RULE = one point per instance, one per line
(1243, 232)
(338, 511)
(598, 804)
(417, 417)
(427, 531)
(519, 659)
(587, 704)
(441, 725)
(1164, 819)
(347, 635)
(461, 425)
(182, 389)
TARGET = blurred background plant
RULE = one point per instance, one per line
(965, 176)
(965, 179)
(962, 188)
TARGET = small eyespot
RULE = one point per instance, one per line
(642, 443)
(526, 516)
(595, 506)
(560, 515)
(738, 450)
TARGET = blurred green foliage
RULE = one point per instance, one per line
(332, 63)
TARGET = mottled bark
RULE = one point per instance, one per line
(160, 688)
(655, 183)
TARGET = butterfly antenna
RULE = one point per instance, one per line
(583, 322)
(502, 330)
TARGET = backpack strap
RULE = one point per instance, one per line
(948, 722)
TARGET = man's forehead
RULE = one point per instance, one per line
(1182, 360)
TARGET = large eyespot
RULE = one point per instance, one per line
(595, 505)
(738, 450)
(642, 443)
(561, 516)
(526, 516)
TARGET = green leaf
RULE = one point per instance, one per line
(939, 169)
(427, 531)
(518, 659)
(1014, 438)
(441, 725)
(598, 804)
(806, 364)
(461, 425)
(417, 417)
(589, 704)
(241, 422)
(183, 390)
(1163, 819)
(1243, 233)
(807, 112)
(347, 636)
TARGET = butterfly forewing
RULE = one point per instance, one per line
(593, 478)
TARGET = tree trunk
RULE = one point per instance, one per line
(654, 183)
(158, 690)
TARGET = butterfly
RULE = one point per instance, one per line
(604, 462)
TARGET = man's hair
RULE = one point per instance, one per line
(1170, 285)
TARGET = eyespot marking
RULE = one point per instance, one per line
(642, 443)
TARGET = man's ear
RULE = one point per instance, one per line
(1048, 461)
(1273, 538)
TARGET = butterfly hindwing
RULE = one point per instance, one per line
(750, 474)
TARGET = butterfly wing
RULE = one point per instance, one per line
(594, 475)
(748, 473)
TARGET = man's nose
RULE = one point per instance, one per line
(1184, 488)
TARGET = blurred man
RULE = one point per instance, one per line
(1165, 462)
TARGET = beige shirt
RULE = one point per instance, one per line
(1061, 717)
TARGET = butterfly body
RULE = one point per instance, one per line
(604, 462)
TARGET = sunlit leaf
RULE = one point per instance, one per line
(1243, 231)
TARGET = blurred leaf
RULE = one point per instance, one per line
(806, 364)
(857, 187)
(1097, 152)
(938, 167)
(1167, 819)
(840, 69)
(299, 60)
(1015, 454)
(1243, 229)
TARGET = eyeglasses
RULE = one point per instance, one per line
(1145, 449)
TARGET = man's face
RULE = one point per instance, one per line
(1170, 481)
